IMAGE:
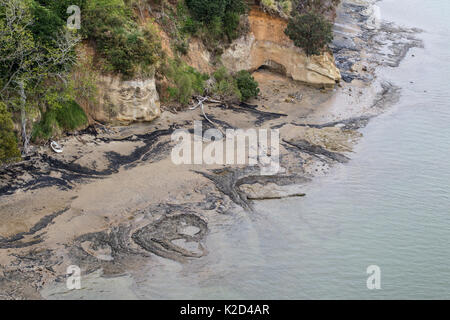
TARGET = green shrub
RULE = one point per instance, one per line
(185, 81)
(8, 140)
(45, 23)
(310, 31)
(181, 46)
(71, 116)
(67, 117)
(286, 6)
(125, 46)
(219, 18)
(190, 26)
(226, 87)
(47, 127)
(318, 6)
(60, 7)
(206, 10)
(247, 85)
(231, 24)
(221, 74)
(269, 4)
(233, 88)
(48, 24)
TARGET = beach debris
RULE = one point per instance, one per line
(56, 147)
(201, 100)
(175, 237)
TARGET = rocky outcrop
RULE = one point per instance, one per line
(126, 101)
(266, 45)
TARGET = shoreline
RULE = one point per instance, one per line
(111, 195)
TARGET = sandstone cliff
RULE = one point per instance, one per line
(126, 101)
(267, 45)
(115, 100)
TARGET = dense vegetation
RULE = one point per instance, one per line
(319, 6)
(309, 25)
(225, 86)
(36, 53)
(300, 6)
(38, 58)
(124, 46)
(247, 85)
(8, 140)
(310, 31)
(70, 116)
(284, 6)
(219, 18)
(185, 81)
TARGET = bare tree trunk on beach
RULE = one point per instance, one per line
(23, 115)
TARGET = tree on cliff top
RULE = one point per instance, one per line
(219, 18)
(310, 31)
(29, 61)
(319, 6)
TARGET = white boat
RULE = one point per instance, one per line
(56, 147)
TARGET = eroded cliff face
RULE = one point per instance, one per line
(126, 101)
(267, 45)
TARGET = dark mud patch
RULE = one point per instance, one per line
(35, 172)
(223, 124)
(229, 180)
(389, 95)
(398, 41)
(31, 174)
(172, 231)
(261, 116)
(148, 150)
(174, 237)
(206, 125)
(18, 285)
(317, 151)
(28, 274)
(15, 240)
(354, 123)
(111, 250)
(386, 44)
